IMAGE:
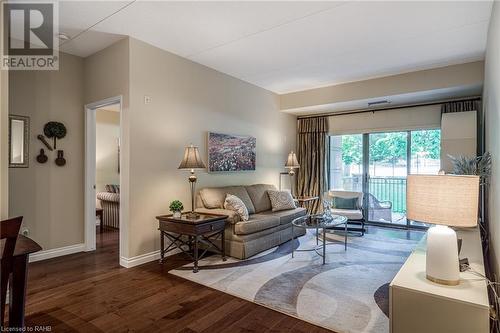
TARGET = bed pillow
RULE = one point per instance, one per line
(281, 200)
(235, 204)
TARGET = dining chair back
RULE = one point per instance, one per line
(9, 229)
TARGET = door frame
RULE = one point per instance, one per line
(90, 169)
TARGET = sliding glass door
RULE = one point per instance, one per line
(387, 171)
(378, 165)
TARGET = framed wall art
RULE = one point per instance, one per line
(231, 153)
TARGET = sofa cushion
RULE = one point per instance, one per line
(234, 203)
(351, 214)
(259, 197)
(256, 222)
(213, 197)
(287, 216)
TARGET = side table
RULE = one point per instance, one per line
(302, 201)
(186, 234)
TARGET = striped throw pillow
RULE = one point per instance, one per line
(112, 188)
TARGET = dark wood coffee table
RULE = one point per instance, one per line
(187, 233)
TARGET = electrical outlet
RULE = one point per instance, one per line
(147, 99)
(25, 232)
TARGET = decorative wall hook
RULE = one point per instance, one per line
(44, 141)
(60, 160)
(55, 130)
(42, 158)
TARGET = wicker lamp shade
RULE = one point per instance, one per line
(450, 200)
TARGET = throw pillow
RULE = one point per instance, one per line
(345, 203)
(281, 200)
(234, 203)
(112, 188)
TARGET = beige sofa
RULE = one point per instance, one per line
(265, 229)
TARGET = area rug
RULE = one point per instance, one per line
(347, 294)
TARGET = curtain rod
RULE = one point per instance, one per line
(403, 106)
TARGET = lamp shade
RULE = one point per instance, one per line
(450, 200)
(192, 159)
(291, 162)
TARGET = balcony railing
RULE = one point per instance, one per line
(391, 189)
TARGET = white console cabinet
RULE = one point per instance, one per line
(418, 305)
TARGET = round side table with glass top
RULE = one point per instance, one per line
(320, 222)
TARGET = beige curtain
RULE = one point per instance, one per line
(461, 106)
(312, 155)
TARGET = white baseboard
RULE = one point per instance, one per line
(53, 253)
(143, 258)
(124, 262)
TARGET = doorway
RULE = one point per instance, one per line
(378, 164)
(103, 136)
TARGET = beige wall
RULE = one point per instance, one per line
(188, 100)
(107, 75)
(107, 135)
(50, 197)
(491, 102)
(464, 75)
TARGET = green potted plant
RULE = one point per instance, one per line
(176, 208)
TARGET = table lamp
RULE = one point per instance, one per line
(192, 161)
(443, 200)
(291, 164)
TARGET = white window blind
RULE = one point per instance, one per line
(402, 119)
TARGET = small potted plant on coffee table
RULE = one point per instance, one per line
(176, 208)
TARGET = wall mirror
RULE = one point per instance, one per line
(19, 127)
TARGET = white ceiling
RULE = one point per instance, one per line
(289, 46)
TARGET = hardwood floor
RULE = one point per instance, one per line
(90, 292)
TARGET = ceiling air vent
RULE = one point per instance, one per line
(375, 103)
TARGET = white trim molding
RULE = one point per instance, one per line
(139, 260)
(143, 258)
(58, 252)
